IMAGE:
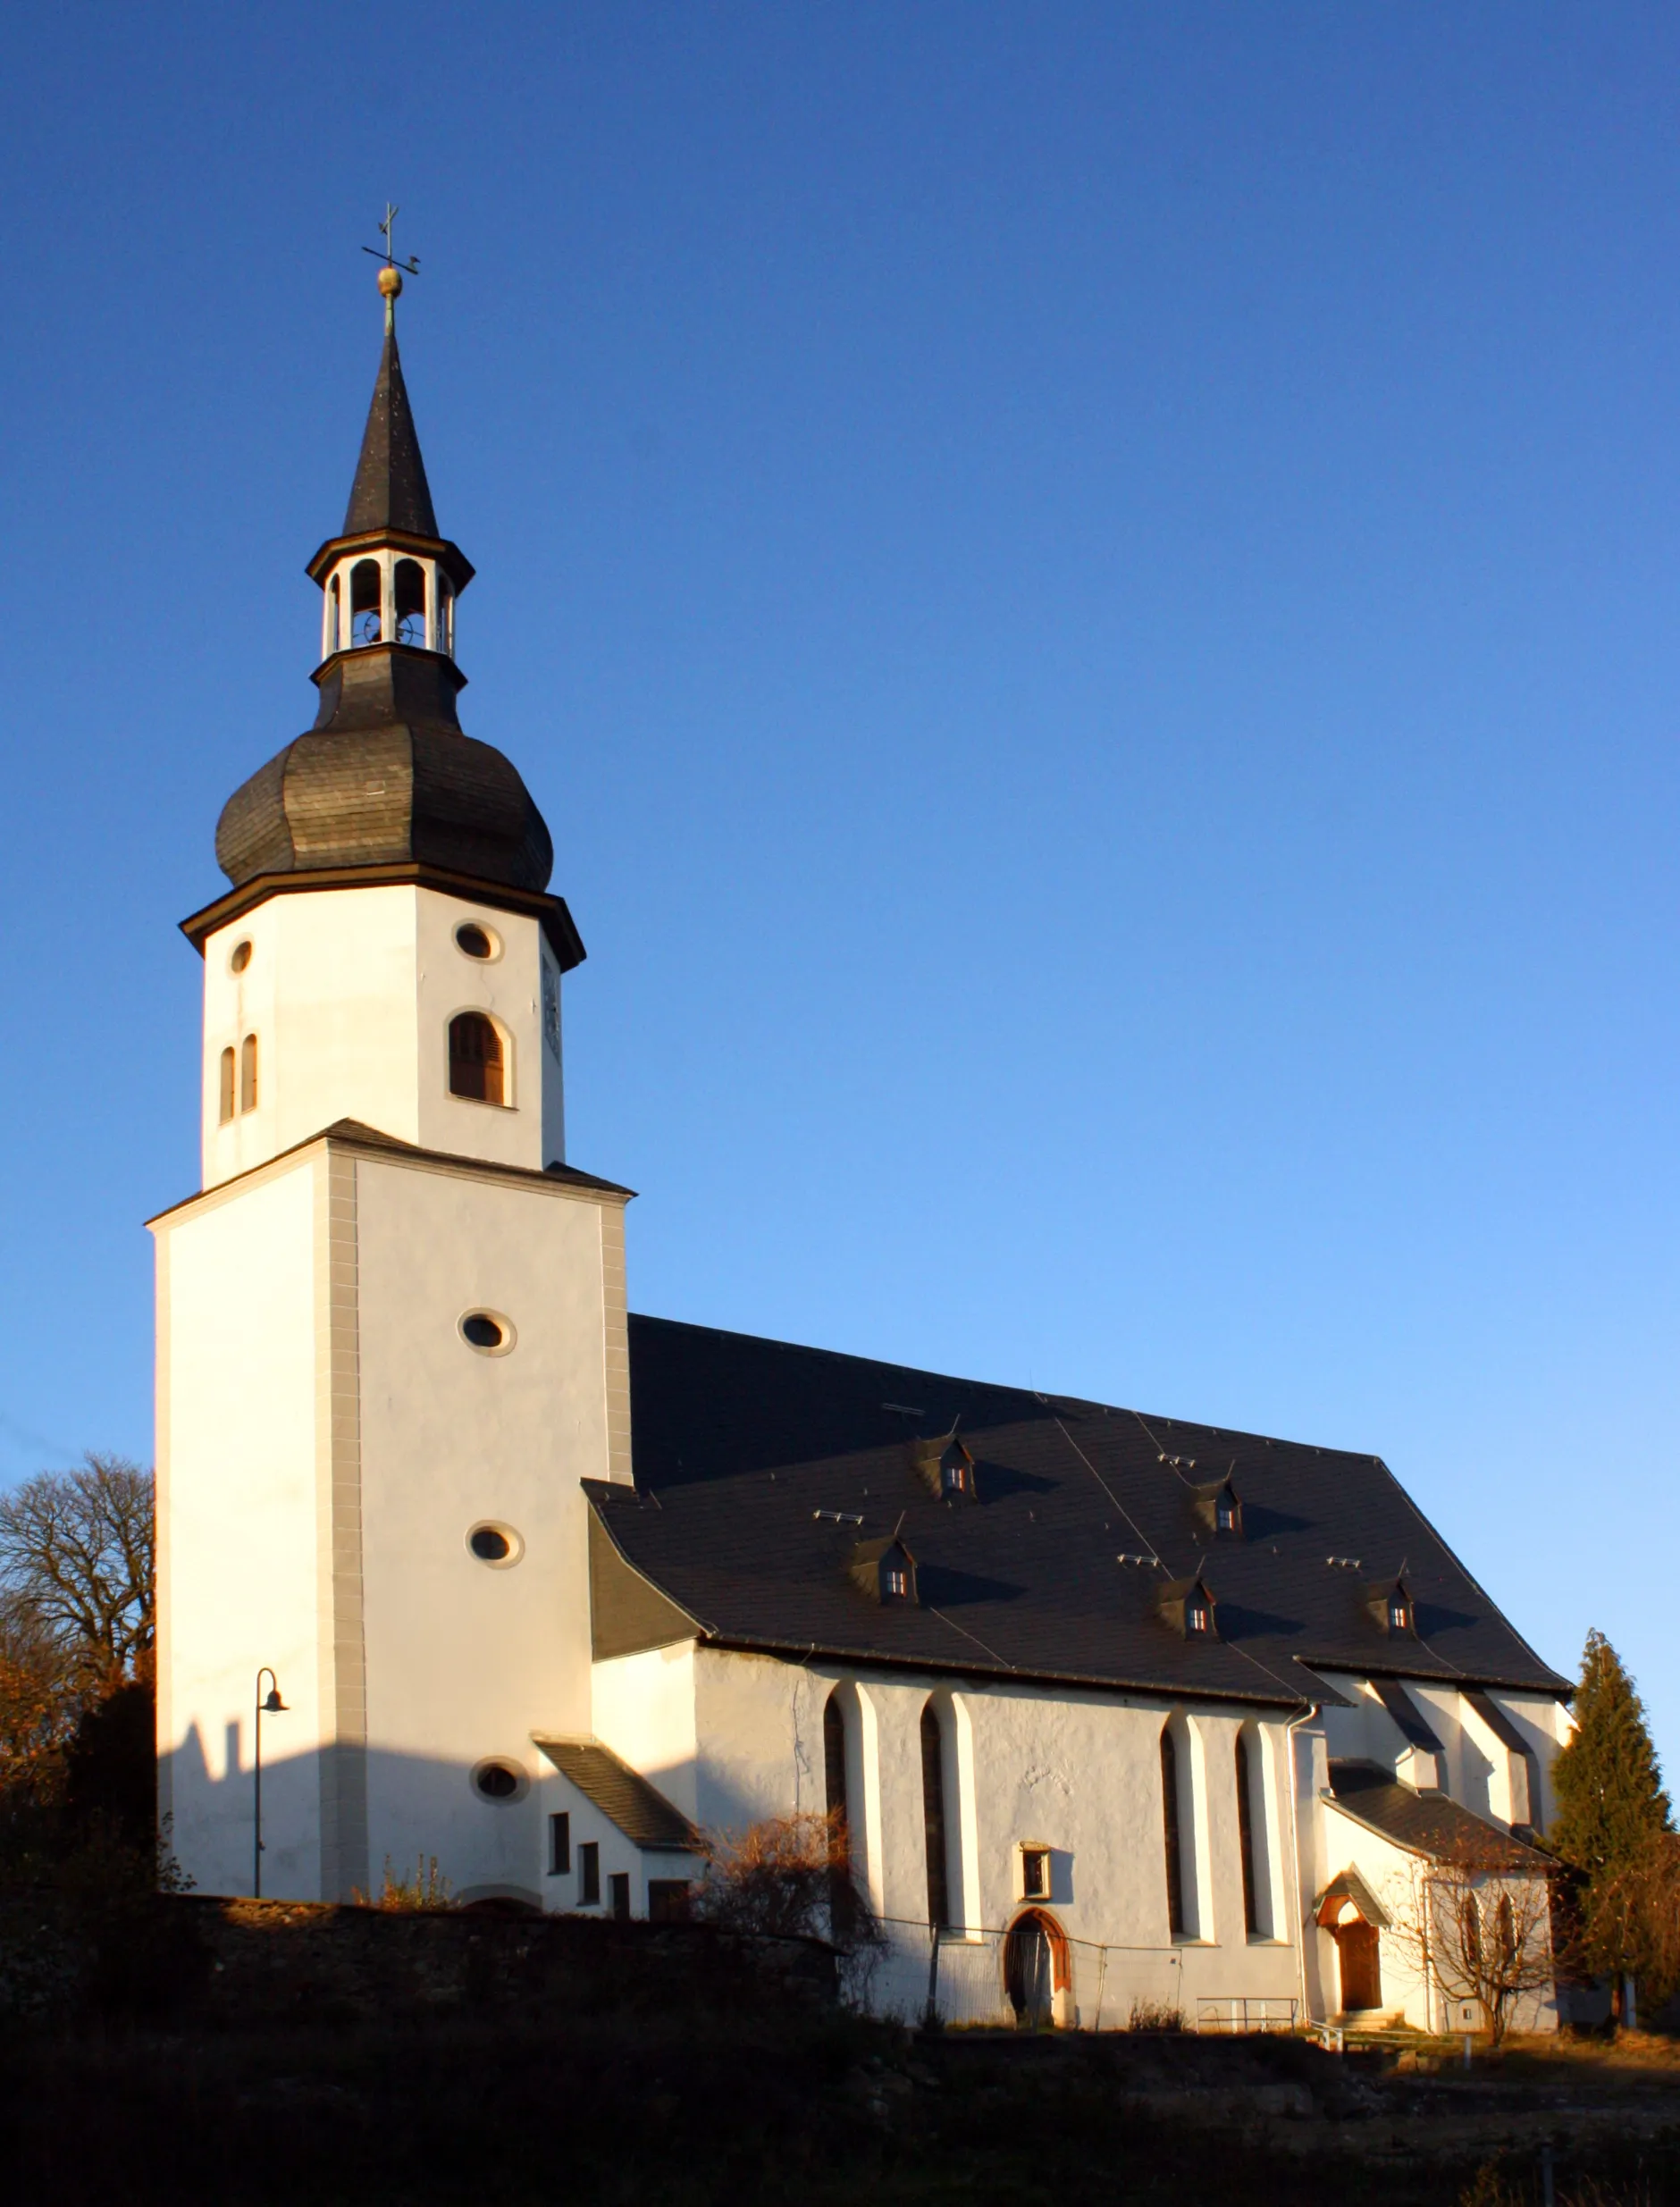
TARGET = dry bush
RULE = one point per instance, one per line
(1154, 2015)
(787, 1877)
(425, 1894)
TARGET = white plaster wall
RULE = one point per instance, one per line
(349, 992)
(465, 1662)
(1079, 1774)
(238, 1530)
(560, 1891)
(644, 1710)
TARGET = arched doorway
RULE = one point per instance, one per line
(1037, 1970)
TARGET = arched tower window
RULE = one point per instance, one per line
(330, 630)
(409, 588)
(367, 602)
(1245, 1836)
(247, 1074)
(1172, 1832)
(227, 1084)
(445, 616)
(933, 1815)
(475, 1058)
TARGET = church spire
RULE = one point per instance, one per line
(391, 490)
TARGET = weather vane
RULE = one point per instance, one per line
(390, 275)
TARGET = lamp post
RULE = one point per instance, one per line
(270, 1705)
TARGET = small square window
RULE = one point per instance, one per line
(897, 1582)
(1034, 1873)
(1399, 1617)
(1225, 1518)
(1196, 1617)
(559, 1846)
(589, 1874)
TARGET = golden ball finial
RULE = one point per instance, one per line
(390, 280)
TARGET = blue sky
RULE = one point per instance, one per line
(1089, 594)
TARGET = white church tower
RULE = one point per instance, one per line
(391, 1329)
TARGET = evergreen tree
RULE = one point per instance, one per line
(1612, 1812)
(1611, 1802)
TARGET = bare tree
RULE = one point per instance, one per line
(1476, 1921)
(77, 1557)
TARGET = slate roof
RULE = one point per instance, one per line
(1426, 1824)
(623, 1795)
(739, 1442)
(391, 490)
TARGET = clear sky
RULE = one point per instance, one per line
(1090, 595)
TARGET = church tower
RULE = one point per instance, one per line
(391, 1329)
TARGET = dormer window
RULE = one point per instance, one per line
(1390, 1602)
(945, 1467)
(886, 1569)
(1190, 1608)
(1218, 1509)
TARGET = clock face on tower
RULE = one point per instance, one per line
(551, 1012)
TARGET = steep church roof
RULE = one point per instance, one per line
(759, 1467)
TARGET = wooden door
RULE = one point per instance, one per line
(1361, 1967)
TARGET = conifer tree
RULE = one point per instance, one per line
(1612, 1812)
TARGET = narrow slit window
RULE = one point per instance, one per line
(560, 1845)
(1172, 1834)
(933, 1815)
(1244, 1838)
(227, 1084)
(247, 1074)
(475, 1059)
(589, 1874)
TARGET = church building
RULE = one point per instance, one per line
(1121, 1711)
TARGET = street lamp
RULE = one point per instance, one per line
(267, 1704)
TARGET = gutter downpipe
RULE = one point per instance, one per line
(1313, 1709)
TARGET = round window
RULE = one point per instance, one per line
(498, 1546)
(487, 1331)
(241, 957)
(498, 1780)
(476, 942)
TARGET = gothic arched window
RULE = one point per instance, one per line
(933, 1815)
(1244, 1838)
(475, 1058)
(1171, 1832)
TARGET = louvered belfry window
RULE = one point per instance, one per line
(476, 1061)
